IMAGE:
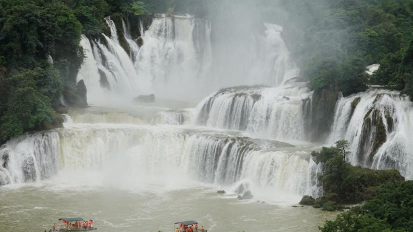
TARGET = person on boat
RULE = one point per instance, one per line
(177, 230)
(91, 223)
(54, 226)
(196, 227)
(202, 229)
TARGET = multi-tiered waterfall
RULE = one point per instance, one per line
(231, 137)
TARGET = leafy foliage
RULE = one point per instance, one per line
(346, 184)
(31, 32)
(333, 41)
(390, 211)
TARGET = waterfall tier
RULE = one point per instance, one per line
(378, 124)
(276, 113)
(220, 158)
(29, 158)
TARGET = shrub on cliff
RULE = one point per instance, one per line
(390, 211)
(346, 184)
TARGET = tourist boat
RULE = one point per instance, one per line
(181, 226)
(72, 224)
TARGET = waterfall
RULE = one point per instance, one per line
(276, 113)
(133, 46)
(378, 124)
(127, 154)
(174, 117)
(175, 60)
(29, 158)
(175, 56)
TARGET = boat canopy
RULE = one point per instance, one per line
(76, 219)
(187, 223)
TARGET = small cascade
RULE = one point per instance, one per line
(378, 124)
(133, 46)
(174, 117)
(106, 118)
(276, 113)
(29, 158)
(89, 72)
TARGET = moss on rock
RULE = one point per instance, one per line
(307, 200)
(355, 103)
(380, 136)
(322, 116)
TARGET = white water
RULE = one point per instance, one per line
(276, 113)
(139, 157)
(175, 61)
(29, 158)
(175, 57)
(397, 150)
(175, 117)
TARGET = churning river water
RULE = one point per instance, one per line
(37, 207)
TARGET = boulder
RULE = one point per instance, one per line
(145, 99)
(307, 200)
(6, 159)
(246, 196)
(240, 189)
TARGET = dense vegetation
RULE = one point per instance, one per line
(40, 54)
(333, 41)
(345, 184)
(390, 211)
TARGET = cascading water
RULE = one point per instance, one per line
(265, 112)
(127, 154)
(175, 56)
(378, 124)
(29, 158)
(174, 117)
(175, 61)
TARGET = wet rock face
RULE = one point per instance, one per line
(246, 196)
(77, 95)
(5, 160)
(29, 170)
(81, 92)
(374, 133)
(322, 116)
(145, 99)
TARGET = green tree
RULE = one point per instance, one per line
(343, 146)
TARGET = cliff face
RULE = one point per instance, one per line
(321, 118)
